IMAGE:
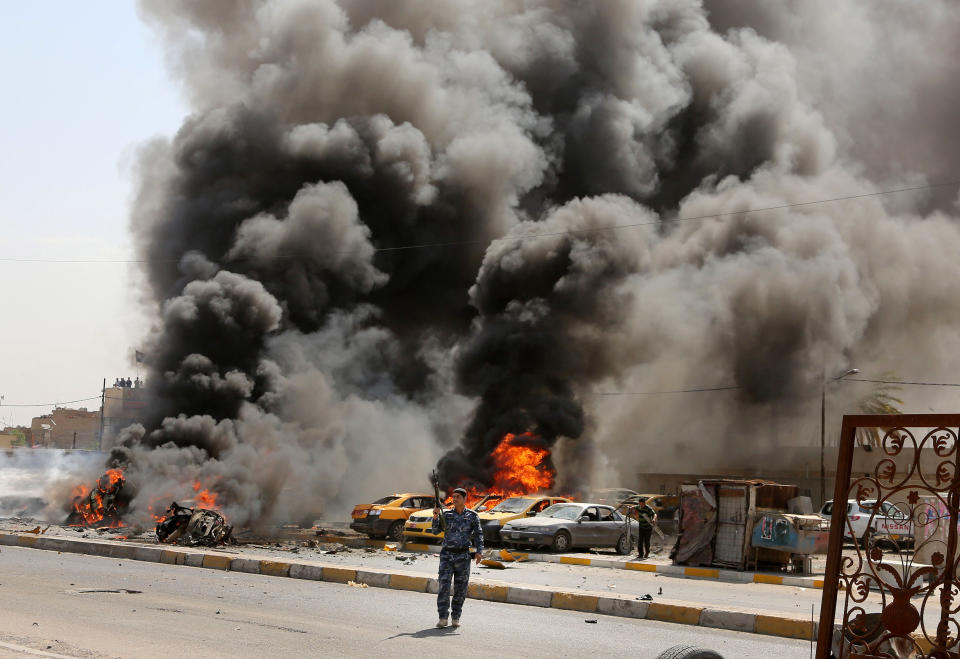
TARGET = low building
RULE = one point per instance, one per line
(122, 406)
(66, 428)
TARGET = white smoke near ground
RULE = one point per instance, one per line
(385, 236)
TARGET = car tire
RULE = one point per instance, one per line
(688, 652)
(623, 545)
(395, 531)
(561, 541)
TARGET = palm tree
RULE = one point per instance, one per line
(882, 400)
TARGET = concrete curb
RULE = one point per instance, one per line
(684, 613)
(680, 571)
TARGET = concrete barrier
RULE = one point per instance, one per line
(734, 620)
(311, 572)
(275, 568)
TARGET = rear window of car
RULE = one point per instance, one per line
(384, 501)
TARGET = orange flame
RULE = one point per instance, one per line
(204, 498)
(88, 504)
(521, 467)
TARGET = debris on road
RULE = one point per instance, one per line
(354, 584)
(193, 526)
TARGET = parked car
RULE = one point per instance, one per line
(386, 517)
(419, 524)
(610, 496)
(513, 508)
(664, 504)
(866, 520)
(563, 526)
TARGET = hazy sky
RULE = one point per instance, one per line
(83, 84)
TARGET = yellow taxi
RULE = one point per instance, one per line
(513, 508)
(386, 517)
(419, 524)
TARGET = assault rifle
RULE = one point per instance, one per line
(436, 491)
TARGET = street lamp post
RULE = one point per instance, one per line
(823, 429)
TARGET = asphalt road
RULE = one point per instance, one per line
(85, 606)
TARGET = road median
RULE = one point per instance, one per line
(685, 613)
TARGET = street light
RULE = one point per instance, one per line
(823, 428)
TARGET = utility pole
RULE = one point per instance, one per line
(103, 391)
(823, 427)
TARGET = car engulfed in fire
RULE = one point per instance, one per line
(564, 526)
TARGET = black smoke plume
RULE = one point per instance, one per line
(384, 235)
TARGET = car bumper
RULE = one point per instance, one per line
(525, 538)
(491, 533)
(371, 525)
(421, 533)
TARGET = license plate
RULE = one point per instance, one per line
(516, 535)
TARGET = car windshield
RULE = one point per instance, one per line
(569, 511)
(383, 501)
(512, 505)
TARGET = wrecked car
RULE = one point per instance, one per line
(100, 506)
(193, 526)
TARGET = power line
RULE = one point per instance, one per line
(59, 402)
(656, 393)
(522, 237)
(917, 384)
(594, 393)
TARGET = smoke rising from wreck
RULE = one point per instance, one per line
(299, 361)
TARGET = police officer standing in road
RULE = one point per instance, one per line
(462, 524)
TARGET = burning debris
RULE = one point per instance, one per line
(100, 506)
(193, 526)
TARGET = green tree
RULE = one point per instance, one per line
(881, 400)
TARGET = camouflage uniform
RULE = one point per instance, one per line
(455, 558)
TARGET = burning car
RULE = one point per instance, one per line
(386, 517)
(513, 508)
(101, 505)
(193, 526)
(419, 524)
(566, 525)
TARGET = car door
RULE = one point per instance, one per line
(587, 530)
(609, 528)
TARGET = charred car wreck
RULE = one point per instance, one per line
(101, 506)
(193, 526)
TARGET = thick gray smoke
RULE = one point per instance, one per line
(383, 235)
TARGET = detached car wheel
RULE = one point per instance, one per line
(688, 652)
(623, 545)
(395, 532)
(561, 541)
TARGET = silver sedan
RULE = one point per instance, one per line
(563, 526)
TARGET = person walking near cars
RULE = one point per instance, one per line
(462, 526)
(646, 518)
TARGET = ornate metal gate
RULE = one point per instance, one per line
(895, 603)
